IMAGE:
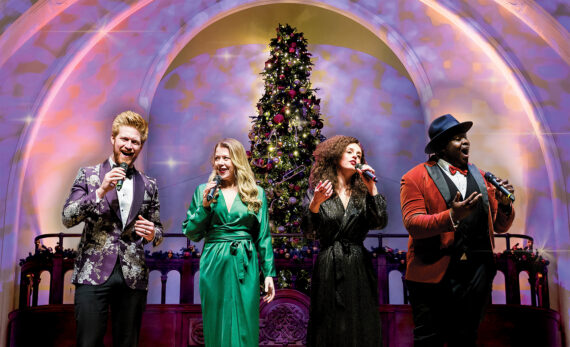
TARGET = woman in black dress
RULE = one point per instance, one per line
(342, 206)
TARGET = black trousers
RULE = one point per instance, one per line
(451, 311)
(92, 304)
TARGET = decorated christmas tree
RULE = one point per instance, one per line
(286, 129)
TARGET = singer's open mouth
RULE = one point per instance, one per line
(353, 162)
(465, 151)
(221, 170)
(127, 154)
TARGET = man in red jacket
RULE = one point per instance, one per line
(451, 213)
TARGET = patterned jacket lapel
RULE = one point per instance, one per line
(111, 196)
(138, 197)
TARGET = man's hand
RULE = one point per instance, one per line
(110, 181)
(144, 228)
(502, 198)
(461, 209)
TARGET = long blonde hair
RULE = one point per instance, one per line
(245, 179)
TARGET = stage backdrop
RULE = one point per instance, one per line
(384, 70)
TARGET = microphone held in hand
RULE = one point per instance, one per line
(493, 180)
(218, 181)
(123, 166)
(368, 174)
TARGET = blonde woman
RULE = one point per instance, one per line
(234, 226)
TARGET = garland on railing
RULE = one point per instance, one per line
(525, 258)
(291, 249)
(46, 254)
(190, 252)
(299, 278)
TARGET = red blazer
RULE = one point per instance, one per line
(425, 214)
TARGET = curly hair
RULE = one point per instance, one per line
(247, 189)
(327, 158)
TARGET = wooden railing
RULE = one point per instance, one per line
(57, 262)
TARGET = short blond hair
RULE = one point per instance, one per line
(130, 119)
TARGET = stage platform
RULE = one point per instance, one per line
(282, 323)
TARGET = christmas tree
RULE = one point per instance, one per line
(286, 129)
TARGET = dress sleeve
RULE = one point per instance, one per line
(376, 214)
(197, 218)
(263, 243)
(311, 221)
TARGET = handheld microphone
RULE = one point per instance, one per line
(218, 181)
(492, 179)
(368, 174)
(123, 166)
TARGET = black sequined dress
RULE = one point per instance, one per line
(344, 294)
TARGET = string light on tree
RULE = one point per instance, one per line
(286, 129)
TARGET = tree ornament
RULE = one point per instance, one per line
(282, 136)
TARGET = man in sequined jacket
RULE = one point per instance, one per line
(120, 210)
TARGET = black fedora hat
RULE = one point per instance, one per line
(445, 126)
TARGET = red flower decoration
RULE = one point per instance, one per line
(278, 119)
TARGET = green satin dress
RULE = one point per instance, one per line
(229, 272)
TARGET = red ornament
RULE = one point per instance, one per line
(278, 119)
(292, 93)
(291, 50)
(313, 123)
(269, 166)
(282, 76)
(297, 188)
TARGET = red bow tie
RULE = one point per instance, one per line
(454, 169)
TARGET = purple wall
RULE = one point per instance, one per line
(384, 69)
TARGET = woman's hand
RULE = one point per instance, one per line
(370, 185)
(269, 289)
(209, 186)
(323, 191)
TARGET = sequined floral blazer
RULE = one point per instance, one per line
(104, 238)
